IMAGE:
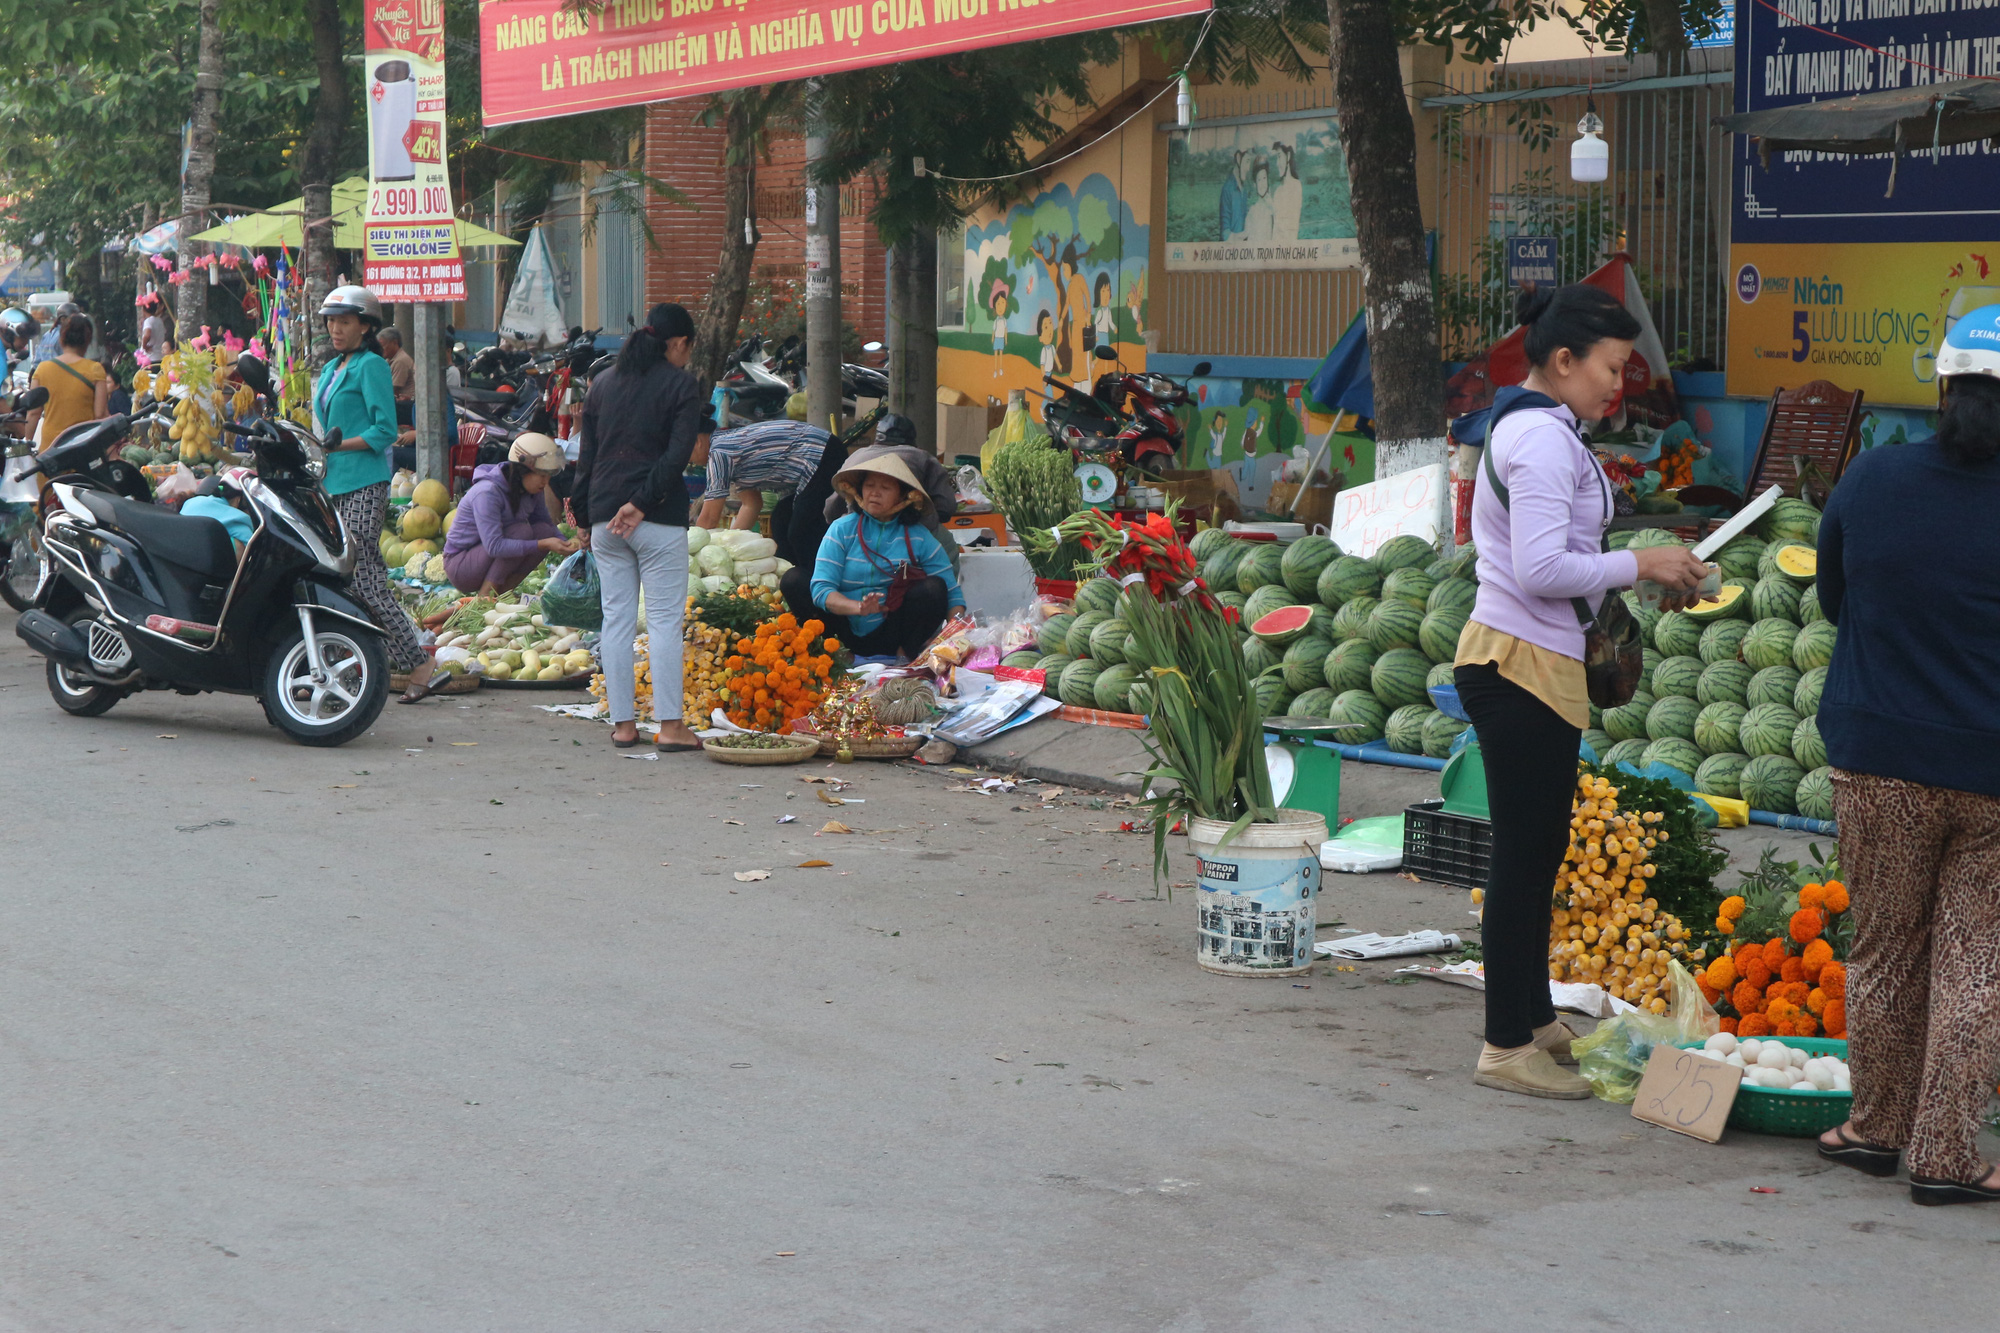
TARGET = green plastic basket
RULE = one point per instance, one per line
(1796, 1115)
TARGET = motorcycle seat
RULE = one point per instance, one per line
(198, 544)
(470, 395)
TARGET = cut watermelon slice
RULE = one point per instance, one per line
(1282, 625)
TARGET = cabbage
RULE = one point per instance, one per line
(784, 566)
(767, 580)
(716, 583)
(752, 569)
(715, 559)
(697, 538)
(754, 547)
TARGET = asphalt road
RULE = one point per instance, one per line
(470, 1025)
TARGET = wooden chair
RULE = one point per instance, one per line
(1810, 436)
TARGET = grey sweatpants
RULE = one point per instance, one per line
(655, 556)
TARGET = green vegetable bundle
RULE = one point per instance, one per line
(1035, 485)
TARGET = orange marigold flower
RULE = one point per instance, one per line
(1746, 997)
(1795, 992)
(733, 663)
(1754, 1025)
(1730, 1025)
(1708, 992)
(1835, 1018)
(1807, 923)
(1816, 1001)
(1791, 969)
(1755, 970)
(1724, 926)
(1836, 897)
(1815, 958)
(1732, 907)
(1833, 980)
(1780, 1011)
(1774, 953)
(1812, 895)
(1721, 973)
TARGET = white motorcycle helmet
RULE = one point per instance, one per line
(1973, 345)
(353, 300)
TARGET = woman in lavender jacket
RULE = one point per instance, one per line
(505, 530)
(1520, 662)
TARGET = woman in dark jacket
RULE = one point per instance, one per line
(639, 424)
(1907, 714)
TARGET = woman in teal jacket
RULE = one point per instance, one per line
(354, 396)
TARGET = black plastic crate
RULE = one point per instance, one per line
(1446, 848)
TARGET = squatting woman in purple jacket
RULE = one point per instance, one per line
(1538, 518)
(503, 529)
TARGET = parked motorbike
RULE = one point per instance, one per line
(1125, 421)
(18, 557)
(133, 596)
(754, 392)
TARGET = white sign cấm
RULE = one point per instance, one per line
(1409, 503)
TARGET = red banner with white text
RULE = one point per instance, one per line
(539, 60)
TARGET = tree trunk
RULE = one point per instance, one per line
(193, 305)
(715, 326)
(920, 337)
(1380, 143)
(1667, 36)
(329, 125)
(822, 290)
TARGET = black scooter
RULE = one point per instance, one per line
(19, 521)
(134, 596)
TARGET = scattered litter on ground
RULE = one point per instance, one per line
(751, 876)
(787, 819)
(815, 865)
(1371, 945)
(833, 826)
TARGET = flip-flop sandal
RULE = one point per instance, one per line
(1931, 1192)
(677, 747)
(416, 693)
(1867, 1157)
(626, 745)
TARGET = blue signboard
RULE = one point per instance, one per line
(1531, 259)
(1792, 51)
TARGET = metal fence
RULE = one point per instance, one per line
(1502, 155)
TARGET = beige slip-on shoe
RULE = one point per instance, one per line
(1529, 1070)
(1555, 1039)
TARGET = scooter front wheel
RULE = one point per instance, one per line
(75, 693)
(21, 572)
(342, 702)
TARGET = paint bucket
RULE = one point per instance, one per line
(1257, 897)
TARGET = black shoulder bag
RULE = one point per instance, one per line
(1613, 650)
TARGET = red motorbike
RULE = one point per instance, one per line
(1129, 413)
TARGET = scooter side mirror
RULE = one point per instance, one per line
(30, 398)
(1200, 368)
(254, 373)
(1105, 353)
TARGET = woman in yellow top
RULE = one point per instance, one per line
(79, 390)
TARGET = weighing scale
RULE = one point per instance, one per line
(1463, 782)
(1305, 776)
(1098, 482)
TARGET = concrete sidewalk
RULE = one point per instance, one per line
(1110, 759)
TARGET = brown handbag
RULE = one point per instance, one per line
(1613, 649)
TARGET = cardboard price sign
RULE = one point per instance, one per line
(1687, 1092)
(1407, 504)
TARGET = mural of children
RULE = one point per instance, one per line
(1135, 301)
(1103, 330)
(1076, 316)
(1288, 194)
(1235, 203)
(1253, 427)
(1218, 428)
(1045, 331)
(998, 300)
(1261, 224)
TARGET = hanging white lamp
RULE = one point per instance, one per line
(1589, 155)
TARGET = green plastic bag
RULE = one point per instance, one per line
(1613, 1058)
(574, 596)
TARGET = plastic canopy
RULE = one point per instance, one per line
(283, 224)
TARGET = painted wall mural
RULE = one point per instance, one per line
(1263, 195)
(1047, 283)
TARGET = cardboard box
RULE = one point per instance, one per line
(1316, 507)
(961, 430)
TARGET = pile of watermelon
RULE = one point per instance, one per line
(1351, 640)
(1730, 693)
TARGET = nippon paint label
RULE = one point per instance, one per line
(1256, 914)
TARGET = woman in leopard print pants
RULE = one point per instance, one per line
(1906, 712)
(362, 512)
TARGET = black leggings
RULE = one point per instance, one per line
(906, 629)
(798, 521)
(1530, 754)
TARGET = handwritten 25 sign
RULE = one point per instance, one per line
(538, 60)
